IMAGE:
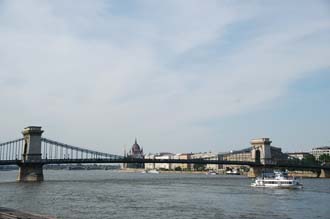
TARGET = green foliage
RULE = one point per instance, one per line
(324, 158)
(200, 167)
(309, 159)
(178, 169)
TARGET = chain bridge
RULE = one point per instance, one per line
(33, 151)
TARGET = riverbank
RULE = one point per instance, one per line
(169, 172)
(303, 174)
(7, 213)
(162, 171)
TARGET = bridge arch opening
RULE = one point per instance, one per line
(257, 157)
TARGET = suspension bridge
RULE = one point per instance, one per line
(33, 151)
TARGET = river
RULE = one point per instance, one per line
(111, 194)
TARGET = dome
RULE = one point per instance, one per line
(135, 152)
(136, 148)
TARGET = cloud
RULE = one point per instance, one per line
(101, 73)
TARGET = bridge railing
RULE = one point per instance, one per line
(51, 149)
(298, 162)
(12, 150)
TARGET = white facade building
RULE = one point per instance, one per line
(317, 152)
(183, 166)
(159, 156)
(207, 156)
(164, 166)
(149, 166)
(175, 165)
(298, 155)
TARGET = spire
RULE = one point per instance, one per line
(135, 141)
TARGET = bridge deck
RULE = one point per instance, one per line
(189, 161)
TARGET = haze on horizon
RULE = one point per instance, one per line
(181, 76)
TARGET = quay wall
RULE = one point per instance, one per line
(304, 174)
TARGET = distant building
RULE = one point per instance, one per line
(135, 152)
(164, 166)
(298, 155)
(168, 166)
(317, 152)
(150, 166)
(159, 156)
(261, 151)
(186, 156)
(243, 155)
(206, 156)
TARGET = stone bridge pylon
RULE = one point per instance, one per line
(261, 150)
(31, 167)
(260, 153)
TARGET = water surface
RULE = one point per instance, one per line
(111, 194)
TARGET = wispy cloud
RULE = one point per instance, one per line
(102, 72)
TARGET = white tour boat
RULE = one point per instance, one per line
(277, 180)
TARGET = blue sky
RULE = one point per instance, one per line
(181, 76)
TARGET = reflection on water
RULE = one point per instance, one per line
(109, 194)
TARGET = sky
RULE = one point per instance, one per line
(178, 75)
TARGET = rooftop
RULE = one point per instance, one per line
(298, 153)
(322, 148)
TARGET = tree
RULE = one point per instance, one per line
(309, 159)
(178, 168)
(324, 158)
(200, 167)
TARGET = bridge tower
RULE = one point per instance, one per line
(31, 167)
(261, 154)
